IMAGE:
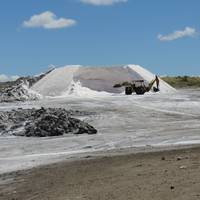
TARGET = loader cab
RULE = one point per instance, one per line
(140, 87)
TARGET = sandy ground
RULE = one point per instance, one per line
(163, 175)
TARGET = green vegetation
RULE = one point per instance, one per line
(183, 81)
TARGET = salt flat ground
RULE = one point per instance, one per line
(156, 120)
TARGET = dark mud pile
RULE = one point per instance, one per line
(43, 122)
(19, 90)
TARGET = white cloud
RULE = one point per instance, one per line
(48, 20)
(103, 2)
(5, 78)
(187, 32)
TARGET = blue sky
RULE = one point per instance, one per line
(163, 36)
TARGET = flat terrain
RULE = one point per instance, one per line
(162, 175)
(156, 120)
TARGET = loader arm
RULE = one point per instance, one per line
(152, 83)
(124, 84)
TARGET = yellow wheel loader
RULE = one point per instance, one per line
(139, 86)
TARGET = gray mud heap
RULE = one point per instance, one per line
(43, 122)
(19, 90)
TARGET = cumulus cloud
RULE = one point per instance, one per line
(103, 2)
(187, 32)
(5, 78)
(48, 20)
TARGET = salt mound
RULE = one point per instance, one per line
(77, 90)
(84, 81)
(56, 82)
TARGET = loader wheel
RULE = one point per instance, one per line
(128, 90)
(140, 90)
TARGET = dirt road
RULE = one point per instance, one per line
(169, 175)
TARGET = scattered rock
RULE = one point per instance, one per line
(88, 156)
(140, 165)
(172, 187)
(179, 158)
(43, 122)
(163, 158)
(87, 147)
(183, 167)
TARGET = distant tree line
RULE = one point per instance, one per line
(183, 81)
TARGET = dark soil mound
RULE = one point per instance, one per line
(43, 122)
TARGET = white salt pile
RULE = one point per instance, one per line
(84, 81)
